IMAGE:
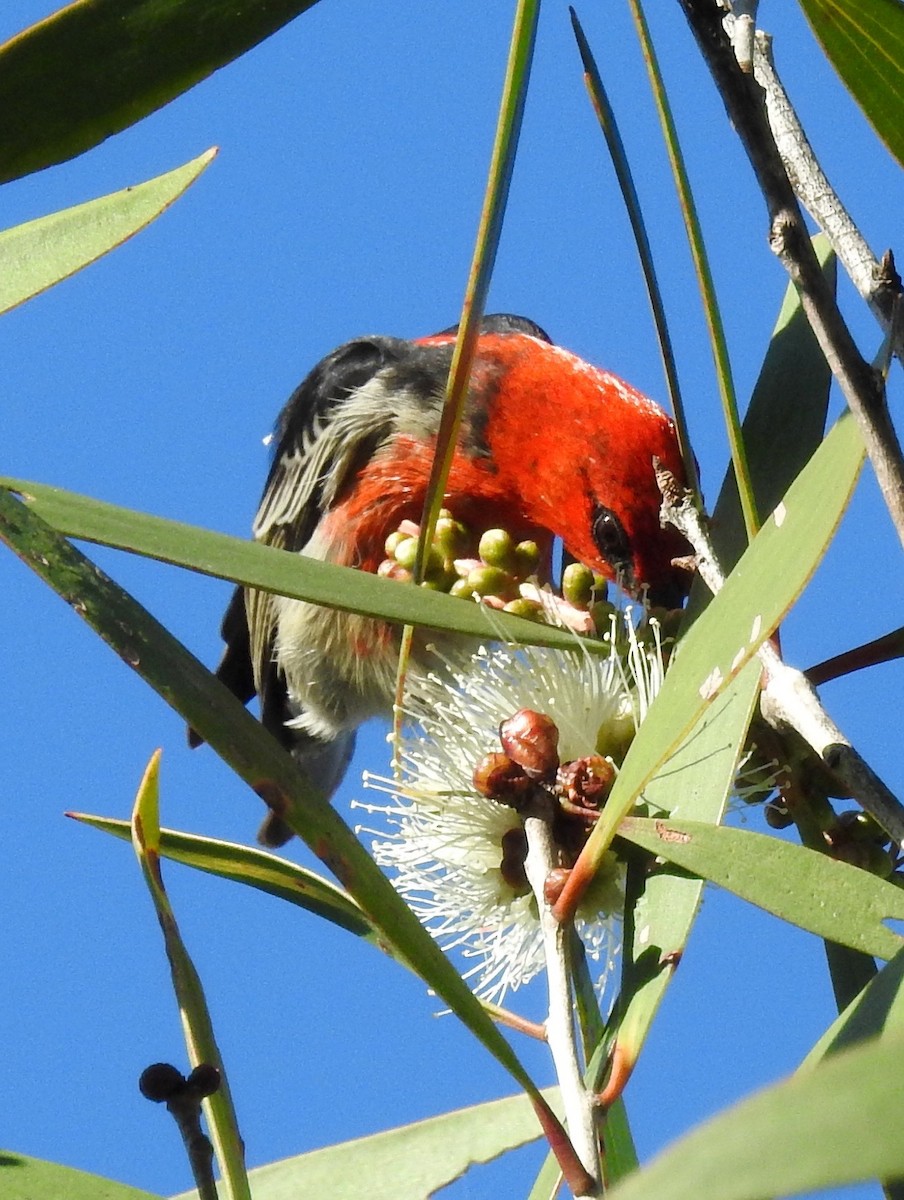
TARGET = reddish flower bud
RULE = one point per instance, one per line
(498, 778)
(586, 782)
(531, 739)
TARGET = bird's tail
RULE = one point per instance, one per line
(323, 764)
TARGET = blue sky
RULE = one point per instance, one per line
(344, 200)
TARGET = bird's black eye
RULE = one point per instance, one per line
(611, 539)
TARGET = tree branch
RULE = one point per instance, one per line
(788, 698)
(578, 1101)
(862, 386)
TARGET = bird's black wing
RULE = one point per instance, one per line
(290, 508)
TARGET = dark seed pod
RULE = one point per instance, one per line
(777, 816)
(498, 778)
(204, 1080)
(514, 852)
(160, 1081)
(531, 739)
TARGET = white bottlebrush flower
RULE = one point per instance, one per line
(456, 856)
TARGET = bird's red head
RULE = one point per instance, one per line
(575, 445)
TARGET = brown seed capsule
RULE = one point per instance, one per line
(514, 852)
(554, 884)
(498, 778)
(586, 782)
(531, 739)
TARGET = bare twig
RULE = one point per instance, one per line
(883, 649)
(578, 1101)
(877, 282)
(788, 698)
(863, 387)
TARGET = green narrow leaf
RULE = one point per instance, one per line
(35, 256)
(24, 1178)
(705, 764)
(705, 285)
(272, 570)
(98, 66)
(833, 899)
(773, 571)
(268, 873)
(864, 41)
(836, 1124)
(877, 1012)
(253, 754)
(408, 1163)
(502, 165)
(197, 1026)
(659, 926)
(785, 419)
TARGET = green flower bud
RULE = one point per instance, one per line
(577, 585)
(461, 588)
(527, 559)
(490, 581)
(393, 542)
(602, 613)
(451, 537)
(406, 552)
(522, 607)
(497, 549)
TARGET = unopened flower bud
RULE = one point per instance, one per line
(859, 826)
(531, 739)
(490, 581)
(406, 552)
(393, 542)
(527, 559)
(532, 610)
(497, 777)
(602, 613)
(392, 570)
(461, 588)
(577, 584)
(451, 537)
(497, 549)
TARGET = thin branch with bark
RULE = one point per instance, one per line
(862, 386)
(788, 698)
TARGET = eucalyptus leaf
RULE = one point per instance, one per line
(197, 1026)
(245, 745)
(409, 1163)
(24, 1178)
(278, 571)
(35, 256)
(877, 1012)
(697, 782)
(255, 868)
(98, 66)
(836, 1124)
(833, 899)
(864, 41)
(768, 579)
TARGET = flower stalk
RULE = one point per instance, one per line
(578, 1102)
